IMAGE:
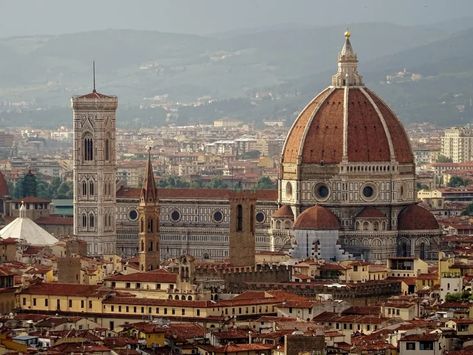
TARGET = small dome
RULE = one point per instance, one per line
(283, 212)
(317, 218)
(371, 212)
(3, 186)
(415, 217)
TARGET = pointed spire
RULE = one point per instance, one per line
(93, 74)
(347, 74)
(149, 191)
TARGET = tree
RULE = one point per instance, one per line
(468, 211)
(29, 185)
(457, 181)
(420, 186)
(217, 183)
(265, 183)
(443, 159)
(64, 190)
(173, 182)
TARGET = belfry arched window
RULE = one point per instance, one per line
(107, 149)
(84, 188)
(88, 147)
(91, 220)
(91, 188)
(84, 220)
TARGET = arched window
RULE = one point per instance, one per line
(142, 228)
(107, 149)
(84, 188)
(150, 226)
(150, 246)
(366, 226)
(422, 251)
(109, 220)
(84, 220)
(91, 188)
(142, 245)
(375, 226)
(88, 147)
(91, 220)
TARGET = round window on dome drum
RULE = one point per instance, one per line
(175, 216)
(322, 191)
(260, 217)
(133, 215)
(217, 216)
(368, 191)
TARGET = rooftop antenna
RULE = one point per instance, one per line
(93, 73)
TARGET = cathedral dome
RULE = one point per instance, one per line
(3, 186)
(347, 122)
(415, 217)
(317, 218)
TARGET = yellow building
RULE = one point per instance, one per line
(113, 309)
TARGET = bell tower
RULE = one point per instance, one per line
(94, 171)
(148, 211)
(242, 228)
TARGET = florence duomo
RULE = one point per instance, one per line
(346, 184)
(261, 178)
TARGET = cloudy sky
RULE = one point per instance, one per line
(29, 17)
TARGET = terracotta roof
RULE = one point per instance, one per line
(55, 220)
(317, 218)
(138, 301)
(317, 135)
(32, 199)
(370, 212)
(62, 289)
(3, 186)
(283, 212)
(421, 337)
(217, 194)
(149, 276)
(95, 95)
(414, 217)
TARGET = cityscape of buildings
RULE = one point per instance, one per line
(341, 233)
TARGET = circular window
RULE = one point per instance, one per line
(175, 215)
(260, 217)
(133, 215)
(368, 192)
(218, 216)
(321, 191)
(288, 190)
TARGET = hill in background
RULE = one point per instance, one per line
(424, 72)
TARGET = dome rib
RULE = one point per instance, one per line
(401, 144)
(383, 122)
(290, 155)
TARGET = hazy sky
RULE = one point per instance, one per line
(25, 17)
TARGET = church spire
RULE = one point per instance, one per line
(347, 74)
(149, 191)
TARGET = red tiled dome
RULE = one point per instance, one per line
(3, 186)
(415, 217)
(317, 218)
(372, 130)
(371, 212)
(283, 212)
